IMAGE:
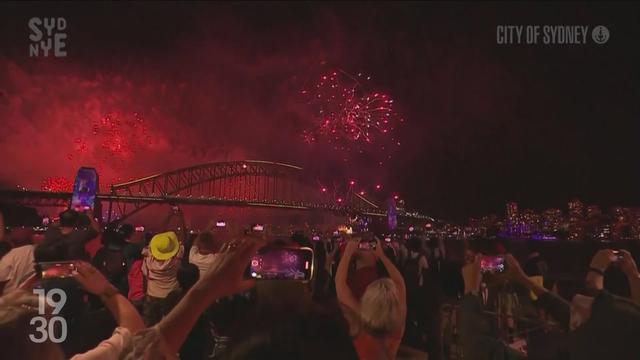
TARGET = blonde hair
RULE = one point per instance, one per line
(380, 308)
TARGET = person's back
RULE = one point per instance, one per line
(202, 253)
(412, 272)
(610, 332)
(161, 275)
(382, 321)
(161, 263)
(113, 265)
(72, 234)
(16, 266)
(160, 266)
(197, 342)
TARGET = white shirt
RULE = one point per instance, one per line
(16, 266)
(161, 274)
(110, 349)
(422, 264)
(202, 261)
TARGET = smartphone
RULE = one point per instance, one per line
(140, 228)
(221, 224)
(315, 238)
(62, 269)
(46, 221)
(492, 265)
(257, 227)
(617, 256)
(367, 245)
(281, 263)
(85, 188)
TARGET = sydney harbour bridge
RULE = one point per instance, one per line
(249, 183)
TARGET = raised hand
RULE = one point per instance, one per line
(226, 275)
(91, 279)
(627, 264)
(602, 259)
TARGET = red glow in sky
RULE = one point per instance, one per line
(56, 184)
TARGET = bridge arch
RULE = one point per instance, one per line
(243, 183)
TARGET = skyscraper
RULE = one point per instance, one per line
(512, 218)
(576, 219)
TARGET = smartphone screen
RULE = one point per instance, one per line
(257, 227)
(281, 263)
(85, 188)
(492, 265)
(617, 256)
(316, 238)
(367, 245)
(63, 269)
(221, 224)
(140, 228)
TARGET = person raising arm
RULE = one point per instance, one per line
(377, 318)
(126, 316)
(224, 278)
(344, 293)
(123, 311)
(630, 269)
(395, 276)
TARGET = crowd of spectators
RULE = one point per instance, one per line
(180, 294)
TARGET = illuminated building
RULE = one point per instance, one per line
(531, 222)
(551, 220)
(594, 223)
(512, 218)
(576, 219)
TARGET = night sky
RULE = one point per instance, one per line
(484, 123)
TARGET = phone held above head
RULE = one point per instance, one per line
(85, 189)
(281, 263)
(60, 269)
(492, 264)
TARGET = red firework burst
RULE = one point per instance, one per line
(120, 137)
(56, 184)
(348, 116)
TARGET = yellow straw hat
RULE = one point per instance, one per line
(164, 246)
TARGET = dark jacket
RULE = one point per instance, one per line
(610, 332)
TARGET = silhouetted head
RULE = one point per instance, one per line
(69, 218)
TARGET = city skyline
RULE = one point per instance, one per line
(577, 221)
